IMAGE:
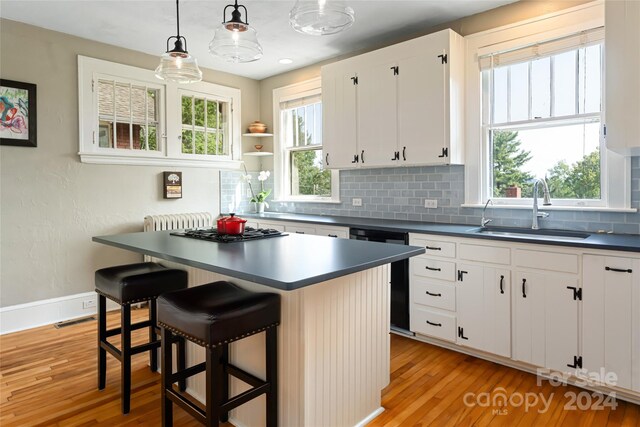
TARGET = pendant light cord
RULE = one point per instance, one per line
(178, 17)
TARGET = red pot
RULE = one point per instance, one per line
(231, 224)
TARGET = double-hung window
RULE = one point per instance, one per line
(542, 114)
(128, 116)
(300, 174)
(535, 109)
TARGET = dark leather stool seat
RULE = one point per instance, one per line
(128, 284)
(213, 316)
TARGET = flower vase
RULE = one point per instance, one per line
(259, 207)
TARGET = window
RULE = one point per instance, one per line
(542, 108)
(535, 109)
(204, 125)
(300, 174)
(128, 116)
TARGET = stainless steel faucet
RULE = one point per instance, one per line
(545, 202)
(484, 220)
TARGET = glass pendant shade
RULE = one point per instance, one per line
(176, 65)
(236, 45)
(321, 17)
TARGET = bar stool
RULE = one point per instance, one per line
(213, 316)
(128, 284)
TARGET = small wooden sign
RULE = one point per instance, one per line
(172, 185)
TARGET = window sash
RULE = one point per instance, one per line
(218, 135)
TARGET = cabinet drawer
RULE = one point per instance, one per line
(436, 269)
(432, 323)
(492, 254)
(300, 229)
(435, 247)
(433, 294)
(553, 261)
(340, 232)
(272, 225)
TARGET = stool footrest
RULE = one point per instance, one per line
(195, 411)
(145, 347)
(135, 326)
(188, 372)
(244, 397)
(244, 376)
(113, 350)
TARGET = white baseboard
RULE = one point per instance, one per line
(370, 417)
(45, 312)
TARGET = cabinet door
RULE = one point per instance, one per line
(608, 318)
(561, 322)
(497, 311)
(528, 318)
(377, 115)
(469, 303)
(422, 126)
(339, 123)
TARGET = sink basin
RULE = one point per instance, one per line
(528, 234)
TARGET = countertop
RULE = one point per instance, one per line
(618, 242)
(289, 262)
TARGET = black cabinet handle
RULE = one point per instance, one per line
(619, 270)
(326, 159)
(332, 235)
(501, 284)
(434, 295)
(432, 269)
(524, 290)
(433, 248)
(362, 156)
(434, 324)
(404, 153)
(299, 232)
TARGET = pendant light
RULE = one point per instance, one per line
(235, 40)
(176, 65)
(321, 17)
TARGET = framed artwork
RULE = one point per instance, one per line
(18, 113)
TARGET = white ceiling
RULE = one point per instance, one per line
(144, 25)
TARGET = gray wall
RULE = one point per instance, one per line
(399, 193)
(51, 204)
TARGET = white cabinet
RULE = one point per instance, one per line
(622, 62)
(484, 308)
(297, 228)
(337, 232)
(545, 330)
(611, 318)
(401, 105)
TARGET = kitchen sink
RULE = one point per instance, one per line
(529, 234)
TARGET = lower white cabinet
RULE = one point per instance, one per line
(484, 308)
(611, 318)
(545, 314)
(336, 232)
(299, 229)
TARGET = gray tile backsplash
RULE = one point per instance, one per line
(399, 193)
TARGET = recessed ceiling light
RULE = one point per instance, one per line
(285, 61)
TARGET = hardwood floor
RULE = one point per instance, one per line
(48, 377)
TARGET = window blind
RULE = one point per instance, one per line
(301, 102)
(542, 49)
(130, 102)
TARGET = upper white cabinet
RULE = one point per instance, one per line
(622, 59)
(397, 106)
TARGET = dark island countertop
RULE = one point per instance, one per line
(288, 262)
(617, 242)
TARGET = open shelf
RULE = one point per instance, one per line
(258, 153)
(257, 135)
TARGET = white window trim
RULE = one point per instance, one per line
(616, 168)
(280, 164)
(169, 110)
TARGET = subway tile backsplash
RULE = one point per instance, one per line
(399, 193)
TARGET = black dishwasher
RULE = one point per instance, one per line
(399, 275)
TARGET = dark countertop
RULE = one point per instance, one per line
(617, 242)
(288, 262)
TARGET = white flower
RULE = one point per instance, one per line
(264, 175)
(246, 178)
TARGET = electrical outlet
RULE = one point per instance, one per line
(89, 303)
(356, 201)
(431, 204)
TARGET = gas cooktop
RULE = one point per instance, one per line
(211, 234)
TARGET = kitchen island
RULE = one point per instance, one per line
(334, 335)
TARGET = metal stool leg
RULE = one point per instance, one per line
(125, 369)
(167, 371)
(102, 337)
(272, 376)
